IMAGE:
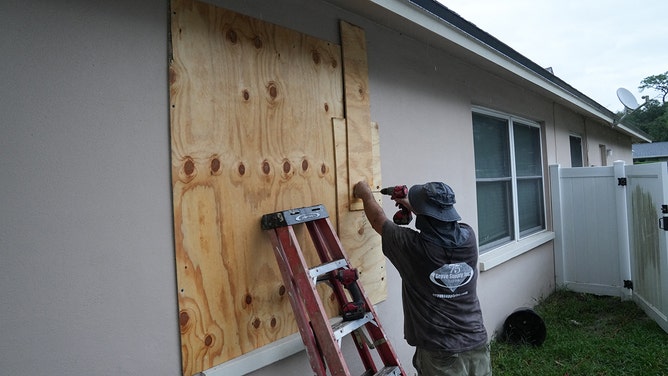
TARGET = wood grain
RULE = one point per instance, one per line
(357, 236)
(357, 112)
(251, 133)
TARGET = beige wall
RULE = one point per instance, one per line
(619, 144)
(86, 237)
(593, 133)
(86, 243)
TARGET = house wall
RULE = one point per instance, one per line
(619, 144)
(86, 243)
(593, 133)
(567, 123)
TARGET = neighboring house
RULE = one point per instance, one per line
(89, 250)
(650, 152)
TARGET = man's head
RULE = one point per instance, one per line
(435, 200)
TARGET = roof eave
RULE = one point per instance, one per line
(449, 26)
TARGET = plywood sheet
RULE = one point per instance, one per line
(251, 133)
(354, 229)
(359, 161)
(357, 112)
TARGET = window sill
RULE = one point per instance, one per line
(263, 356)
(258, 358)
(498, 256)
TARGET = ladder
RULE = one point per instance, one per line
(321, 335)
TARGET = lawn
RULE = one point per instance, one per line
(587, 335)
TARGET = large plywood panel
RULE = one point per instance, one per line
(251, 110)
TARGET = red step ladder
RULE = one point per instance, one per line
(358, 318)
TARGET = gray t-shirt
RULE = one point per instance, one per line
(440, 301)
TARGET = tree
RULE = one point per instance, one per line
(652, 117)
(658, 82)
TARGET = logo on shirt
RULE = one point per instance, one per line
(452, 276)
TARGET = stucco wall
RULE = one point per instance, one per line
(594, 134)
(86, 243)
(619, 145)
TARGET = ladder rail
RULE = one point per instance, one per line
(326, 234)
(315, 359)
(312, 302)
(329, 247)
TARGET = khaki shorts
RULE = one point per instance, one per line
(474, 362)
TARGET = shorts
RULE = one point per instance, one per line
(474, 362)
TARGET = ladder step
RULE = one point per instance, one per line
(326, 268)
(293, 216)
(343, 328)
(389, 371)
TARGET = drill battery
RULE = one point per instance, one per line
(356, 309)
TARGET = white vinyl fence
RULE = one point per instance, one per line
(608, 235)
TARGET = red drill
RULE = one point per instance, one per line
(403, 216)
(357, 308)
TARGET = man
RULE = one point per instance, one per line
(438, 268)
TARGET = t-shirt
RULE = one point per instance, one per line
(440, 301)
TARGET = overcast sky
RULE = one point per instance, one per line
(596, 46)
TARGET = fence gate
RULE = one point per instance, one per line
(585, 226)
(647, 193)
(608, 237)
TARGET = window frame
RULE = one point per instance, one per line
(518, 241)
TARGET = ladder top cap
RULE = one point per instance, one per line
(293, 216)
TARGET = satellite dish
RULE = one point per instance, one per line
(627, 99)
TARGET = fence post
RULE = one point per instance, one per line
(557, 225)
(623, 231)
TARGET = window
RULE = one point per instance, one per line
(509, 178)
(576, 151)
(604, 154)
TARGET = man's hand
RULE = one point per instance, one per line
(404, 201)
(362, 190)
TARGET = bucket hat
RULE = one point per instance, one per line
(434, 199)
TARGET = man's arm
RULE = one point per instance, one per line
(373, 211)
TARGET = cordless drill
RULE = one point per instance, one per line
(357, 308)
(403, 216)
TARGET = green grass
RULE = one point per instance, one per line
(587, 335)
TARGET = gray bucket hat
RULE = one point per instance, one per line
(435, 200)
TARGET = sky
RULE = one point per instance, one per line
(596, 46)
